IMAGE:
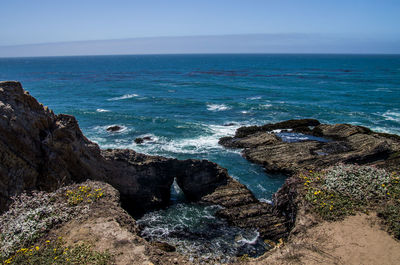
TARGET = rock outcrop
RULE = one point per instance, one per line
(41, 150)
(343, 143)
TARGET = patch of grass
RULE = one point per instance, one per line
(55, 252)
(345, 189)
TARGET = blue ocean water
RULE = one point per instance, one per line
(185, 103)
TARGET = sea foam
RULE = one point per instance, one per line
(126, 96)
(102, 110)
(391, 116)
(217, 107)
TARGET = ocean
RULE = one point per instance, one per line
(185, 103)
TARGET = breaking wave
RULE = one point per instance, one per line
(126, 96)
(217, 107)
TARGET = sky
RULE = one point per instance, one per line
(44, 27)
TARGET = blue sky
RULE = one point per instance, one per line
(368, 25)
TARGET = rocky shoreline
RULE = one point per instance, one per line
(44, 151)
(312, 147)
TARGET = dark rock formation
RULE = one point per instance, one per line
(141, 140)
(41, 150)
(114, 128)
(242, 209)
(38, 149)
(296, 125)
(348, 144)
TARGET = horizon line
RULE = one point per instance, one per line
(216, 53)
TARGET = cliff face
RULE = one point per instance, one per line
(39, 150)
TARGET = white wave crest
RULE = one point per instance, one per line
(265, 106)
(254, 98)
(217, 107)
(391, 116)
(126, 96)
(102, 110)
(202, 144)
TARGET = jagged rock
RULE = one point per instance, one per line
(348, 144)
(296, 125)
(141, 140)
(40, 150)
(114, 128)
(258, 138)
(242, 209)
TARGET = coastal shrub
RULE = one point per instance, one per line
(345, 189)
(363, 183)
(55, 252)
(390, 213)
(30, 216)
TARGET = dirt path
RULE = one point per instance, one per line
(355, 240)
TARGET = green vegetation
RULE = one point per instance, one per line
(55, 252)
(31, 216)
(346, 189)
(83, 194)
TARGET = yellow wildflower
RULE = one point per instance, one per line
(37, 248)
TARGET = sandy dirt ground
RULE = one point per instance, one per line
(357, 240)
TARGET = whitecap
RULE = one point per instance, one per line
(126, 96)
(386, 89)
(217, 107)
(254, 98)
(102, 110)
(265, 106)
(391, 116)
(202, 144)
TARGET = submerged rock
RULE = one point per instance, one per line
(114, 128)
(141, 140)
